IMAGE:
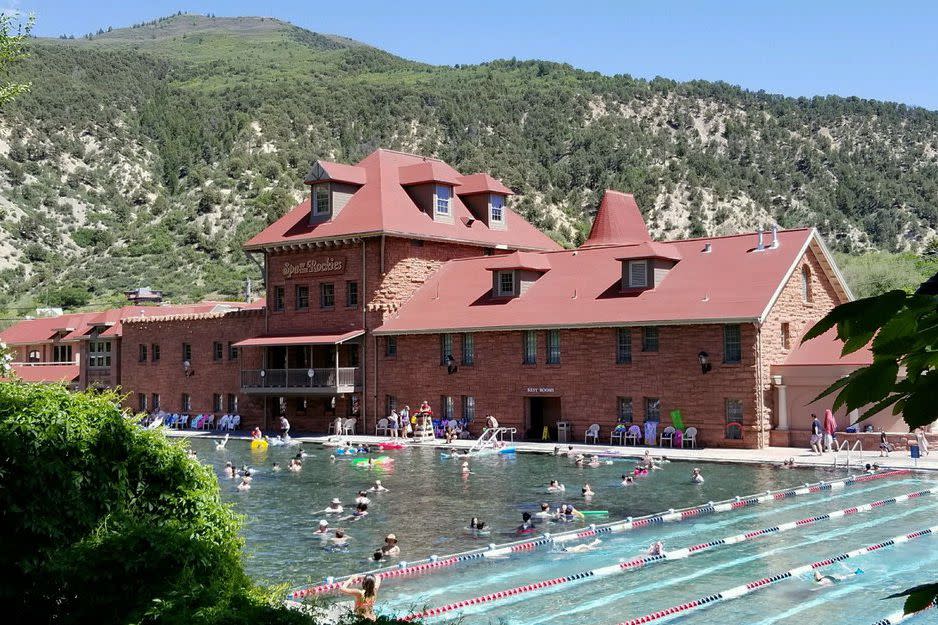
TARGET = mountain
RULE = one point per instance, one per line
(147, 155)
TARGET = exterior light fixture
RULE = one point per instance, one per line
(704, 359)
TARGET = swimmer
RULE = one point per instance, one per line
(583, 547)
(365, 597)
(587, 492)
(390, 548)
(276, 467)
(221, 446)
(246, 477)
(339, 540)
(465, 468)
(477, 527)
(567, 513)
(545, 512)
(594, 462)
(331, 458)
(301, 454)
(869, 469)
(361, 511)
(664, 460)
(295, 465)
(229, 470)
(655, 549)
(362, 498)
(526, 524)
(627, 480)
(696, 477)
(578, 460)
(377, 556)
(323, 530)
(557, 450)
(334, 507)
(244, 486)
(378, 488)
(556, 487)
(830, 580)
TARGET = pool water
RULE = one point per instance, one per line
(429, 503)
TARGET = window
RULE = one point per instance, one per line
(650, 339)
(353, 356)
(155, 352)
(446, 406)
(529, 347)
(326, 295)
(232, 351)
(390, 404)
(217, 351)
(785, 336)
(624, 409)
(390, 346)
(186, 352)
(155, 401)
(553, 347)
(99, 354)
(35, 356)
(652, 409)
(734, 419)
(302, 297)
(623, 346)
(496, 208)
(142, 353)
(506, 283)
(638, 273)
(232, 403)
(62, 353)
(142, 402)
(278, 298)
(468, 408)
(446, 348)
(443, 196)
(216, 402)
(732, 344)
(321, 199)
(351, 294)
(806, 293)
(186, 403)
(468, 349)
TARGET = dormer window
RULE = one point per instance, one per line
(444, 197)
(321, 200)
(638, 273)
(496, 208)
(506, 284)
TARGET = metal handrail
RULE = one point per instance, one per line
(325, 377)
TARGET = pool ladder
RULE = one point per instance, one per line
(490, 436)
(847, 448)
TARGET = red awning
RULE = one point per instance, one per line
(301, 339)
(40, 372)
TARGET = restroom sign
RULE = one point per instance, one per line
(540, 390)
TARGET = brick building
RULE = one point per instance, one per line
(400, 280)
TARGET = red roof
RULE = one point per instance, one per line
(299, 339)
(521, 260)
(481, 183)
(618, 222)
(826, 350)
(428, 171)
(337, 172)
(47, 373)
(382, 205)
(582, 288)
(651, 250)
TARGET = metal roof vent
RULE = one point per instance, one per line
(761, 245)
(707, 248)
(774, 244)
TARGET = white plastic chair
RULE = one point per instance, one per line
(235, 422)
(667, 435)
(690, 436)
(633, 435)
(618, 434)
(209, 423)
(382, 427)
(592, 432)
(348, 426)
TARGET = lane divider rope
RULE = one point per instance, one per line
(678, 554)
(765, 582)
(435, 563)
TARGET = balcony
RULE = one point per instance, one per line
(325, 381)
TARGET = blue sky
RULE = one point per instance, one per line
(883, 50)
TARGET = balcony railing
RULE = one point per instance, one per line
(341, 379)
(51, 363)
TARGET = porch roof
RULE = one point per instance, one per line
(299, 339)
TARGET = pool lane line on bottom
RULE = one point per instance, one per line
(901, 617)
(765, 582)
(677, 554)
(435, 563)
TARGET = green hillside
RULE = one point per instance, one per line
(147, 155)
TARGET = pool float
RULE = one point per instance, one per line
(346, 451)
(594, 512)
(507, 450)
(376, 461)
(258, 444)
(383, 446)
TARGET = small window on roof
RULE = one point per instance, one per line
(506, 283)
(321, 199)
(496, 208)
(638, 273)
(444, 195)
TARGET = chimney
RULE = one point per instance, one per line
(774, 238)
(707, 248)
(761, 246)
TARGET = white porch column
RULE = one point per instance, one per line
(781, 402)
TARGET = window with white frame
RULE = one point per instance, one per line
(321, 199)
(446, 348)
(468, 408)
(496, 208)
(553, 347)
(506, 283)
(623, 346)
(468, 349)
(732, 344)
(446, 405)
(624, 409)
(650, 339)
(444, 196)
(638, 273)
(35, 356)
(529, 346)
(652, 409)
(734, 419)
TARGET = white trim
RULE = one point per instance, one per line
(570, 326)
(787, 277)
(635, 263)
(834, 268)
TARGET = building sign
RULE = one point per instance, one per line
(540, 390)
(323, 267)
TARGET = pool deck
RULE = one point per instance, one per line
(769, 455)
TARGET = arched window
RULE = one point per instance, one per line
(806, 285)
(35, 356)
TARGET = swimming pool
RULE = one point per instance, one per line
(429, 503)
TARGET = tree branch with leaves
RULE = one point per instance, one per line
(14, 36)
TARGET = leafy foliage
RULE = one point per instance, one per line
(14, 33)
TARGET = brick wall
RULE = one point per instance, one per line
(588, 380)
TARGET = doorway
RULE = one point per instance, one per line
(538, 412)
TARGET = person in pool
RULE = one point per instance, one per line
(256, 434)
(365, 597)
(377, 556)
(527, 526)
(582, 547)
(656, 549)
(378, 488)
(465, 468)
(362, 497)
(323, 530)
(594, 462)
(229, 470)
(696, 477)
(339, 540)
(545, 513)
(478, 527)
(587, 492)
(578, 460)
(568, 513)
(555, 487)
(627, 480)
(361, 511)
(830, 580)
(390, 548)
(334, 507)
(276, 466)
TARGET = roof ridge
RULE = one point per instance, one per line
(420, 156)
